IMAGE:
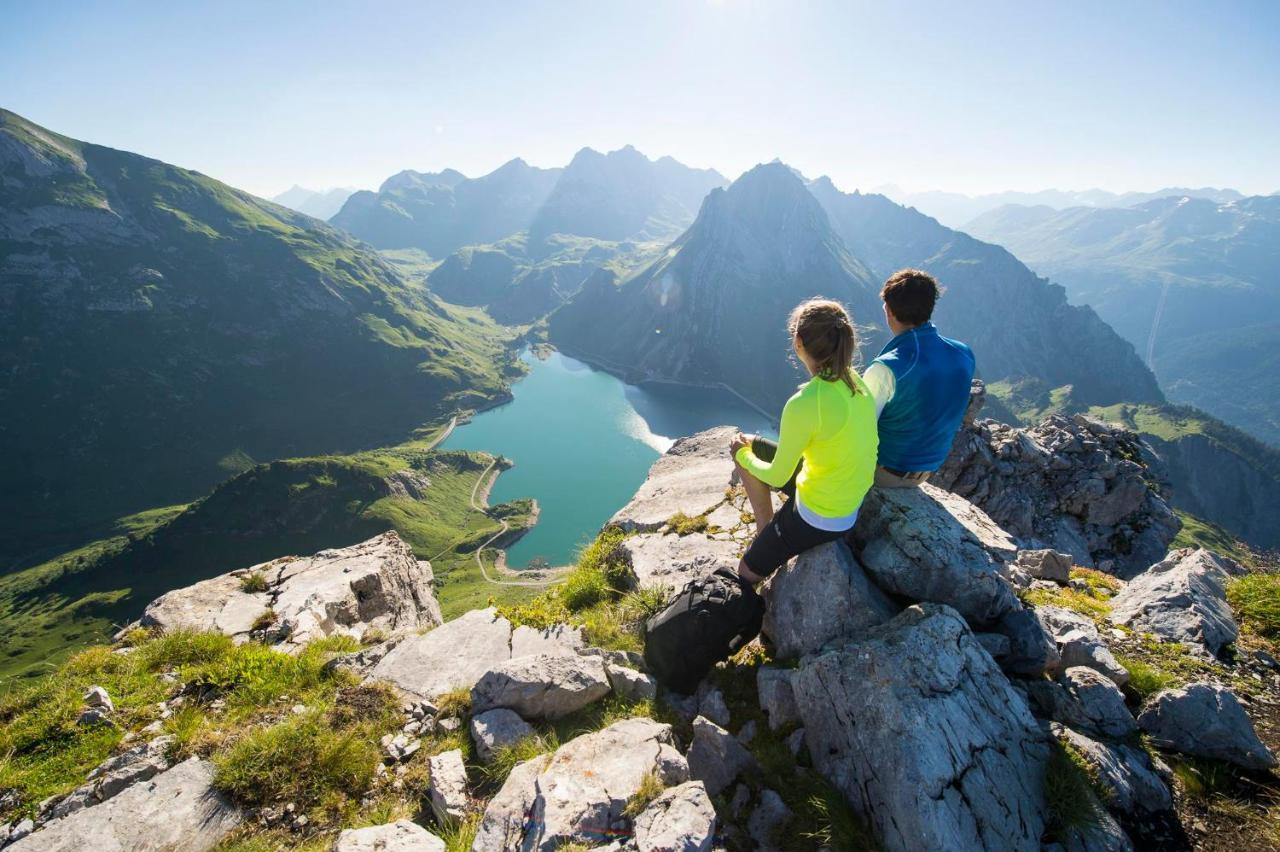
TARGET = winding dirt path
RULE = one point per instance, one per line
(481, 504)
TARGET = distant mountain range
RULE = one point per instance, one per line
(621, 195)
(1194, 284)
(956, 209)
(320, 203)
(711, 308)
(160, 330)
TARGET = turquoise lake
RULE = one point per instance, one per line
(582, 442)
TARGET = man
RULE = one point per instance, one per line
(920, 381)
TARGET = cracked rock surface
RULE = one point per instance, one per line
(544, 686)
(681, 819)
(1182, 598)
(923, 734)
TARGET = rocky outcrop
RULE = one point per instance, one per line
(1182, 598)
(681, 819)
(544, 686)
(114, 776)
(1079, 643)
(399, 836)
(690, 479)
(1072, 484)
(579, 793)
(670, 561)
(1085, 700)
(970, 778)
(1125, 773)
(449, 799)
(715, 757)
(177, 809)
(926, 544)
(822, 595)
(1205, 720)
(377, 585)
(457, 654)
(493, 730)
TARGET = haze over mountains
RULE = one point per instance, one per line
(1194, 284)
(160, 330)
(320, 203)
(956, 209)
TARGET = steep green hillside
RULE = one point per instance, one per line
(161, 329)
(296, 506)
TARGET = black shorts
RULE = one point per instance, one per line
(788, 534)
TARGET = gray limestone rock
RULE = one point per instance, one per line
(1104, 835)
(114, 775)
(399, 836)
(1045, 564)
(711, 705)
(1079, 643)
(822, 595)
(581, 790)
(1126, 773)
(1205, 720)
(629, 684)
(1180, 599)
(968, 778)
(559, 639)
(544, 686)
(777, 700)
(1031, 648)
(768, 822)
(449, 799)
(1086, 700)
(375, 585)
(177, 809)
(681, 819)
(715, 756)
(452, 656)
(671, 561)
(927, 544)
(496, 729)
(690, 478)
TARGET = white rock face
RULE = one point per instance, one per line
(716, 757)
(927, 544)
(375, 585)
(682, 819)
(1180, 599)
(177, 809)
(670, 561)
(449, 797)
(578, 793)
(823, 594)
(543, 687)
(691, 478)
(630, 684)
(399, 836)
(921, 731)
(496, 729)
(1205, 720)
(114, 775)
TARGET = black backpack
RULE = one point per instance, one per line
(708, 621)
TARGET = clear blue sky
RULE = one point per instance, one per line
(971, 97)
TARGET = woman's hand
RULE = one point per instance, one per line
(739, 441)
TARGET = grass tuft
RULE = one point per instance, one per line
(681, 524)
(650, 788)
(1255, 598)
(254, 581)
(1069, 791)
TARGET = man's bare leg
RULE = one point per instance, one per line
(759, 497)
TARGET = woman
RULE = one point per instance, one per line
(828, 430)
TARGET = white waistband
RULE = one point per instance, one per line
(820, 522)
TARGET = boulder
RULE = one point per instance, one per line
(716, 757)
(579, 792)
(177, 809)
(629, 684)
(1205, 720)
(777, 700)
(449, 799)
(768, 822)
(375, 585)
(671, 561)
(544, 686)
(823, 594)
(927, 544)
(1031, 650)
(557, 640)
(682, 819)
(1124, 772)
(1103, 835)
(114, 775)
(711, 705)
(1079, 643)
(1045, 565)
(1180, 599)
(97, 697)
(453, 656)
(690, 478)
(1086, 700)
(399, 836)
(916, 725)
(497, 729)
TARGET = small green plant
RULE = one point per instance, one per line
(265, 619)
(1145, 680)
(1255, 598)
(835, 827)
(459, 835)
(509, 757)
(253, 582)
(1098, 581)
(650, 788)
(456, 702)
(1085, 603)
(1069, 791)
(681, 524)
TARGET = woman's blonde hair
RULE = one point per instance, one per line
(827, 334)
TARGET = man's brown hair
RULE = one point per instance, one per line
(910, 295)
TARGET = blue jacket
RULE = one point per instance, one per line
(931, 376)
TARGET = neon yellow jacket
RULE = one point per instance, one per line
(834, 431)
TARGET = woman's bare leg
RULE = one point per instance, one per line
(759, 497)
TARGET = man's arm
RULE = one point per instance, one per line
(881, 383)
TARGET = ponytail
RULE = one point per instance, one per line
(829, 338)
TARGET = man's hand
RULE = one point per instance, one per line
(739, 441)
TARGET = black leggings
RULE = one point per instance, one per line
(788, 534)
